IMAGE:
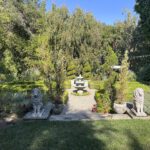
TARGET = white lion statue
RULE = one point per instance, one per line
(37, 102)
(139, 101)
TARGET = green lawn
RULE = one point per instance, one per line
(21, 86)
(106, 135)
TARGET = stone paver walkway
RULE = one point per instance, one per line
(79, 108)
(78, 104)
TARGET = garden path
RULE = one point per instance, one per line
(78, 104)
(79, 108)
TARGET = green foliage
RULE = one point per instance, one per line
(65, 97)
(87, 67)
(110, 60)
(142, 7)
(2, 77)
(144, 73)
(103, 102)
(87, 75)
(124, 36)
(132, 76)
(97, 95)
(85, 93)
(32, 74)
(96, 84)
(13, 102)
(122, 87)
(9, 65)
(132, 86)
(51, 46)
(67, 84)
(87, 70)
(22, 86)
(106, 93)
(109, 86)
(71, 70)
(56, 39)
(141, 56)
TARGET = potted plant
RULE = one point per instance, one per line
(122, 87)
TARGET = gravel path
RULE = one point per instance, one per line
(78, 104)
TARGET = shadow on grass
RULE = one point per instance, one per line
(134, 143)
(75, 135)
(55, 136)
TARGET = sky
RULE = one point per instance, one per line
(106, 11)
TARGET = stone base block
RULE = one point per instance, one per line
(44, 114)
(139, 114)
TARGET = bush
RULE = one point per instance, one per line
(15, 102)
(97, 95)
(65, 97)
(67, 84)
(71, 73)
(98, 85)
(87, 71)
(110, 60)
(87, 75)
(71, 77)
(2, 77)
(106, 93)
(87, 68)
(103, 102)
(122, 87)
(32, 74)
(132, 76)
(71, 70)
(109, 83)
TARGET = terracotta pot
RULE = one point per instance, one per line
(120, 108)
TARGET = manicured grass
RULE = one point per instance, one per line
(98, 135)
(147, 103)
(20, 86)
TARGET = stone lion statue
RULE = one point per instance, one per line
(139, 100)
(37, 102)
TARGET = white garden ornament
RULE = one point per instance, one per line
(37, 102)
(139, 102)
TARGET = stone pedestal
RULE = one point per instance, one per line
(143, 114)
(43, 115)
